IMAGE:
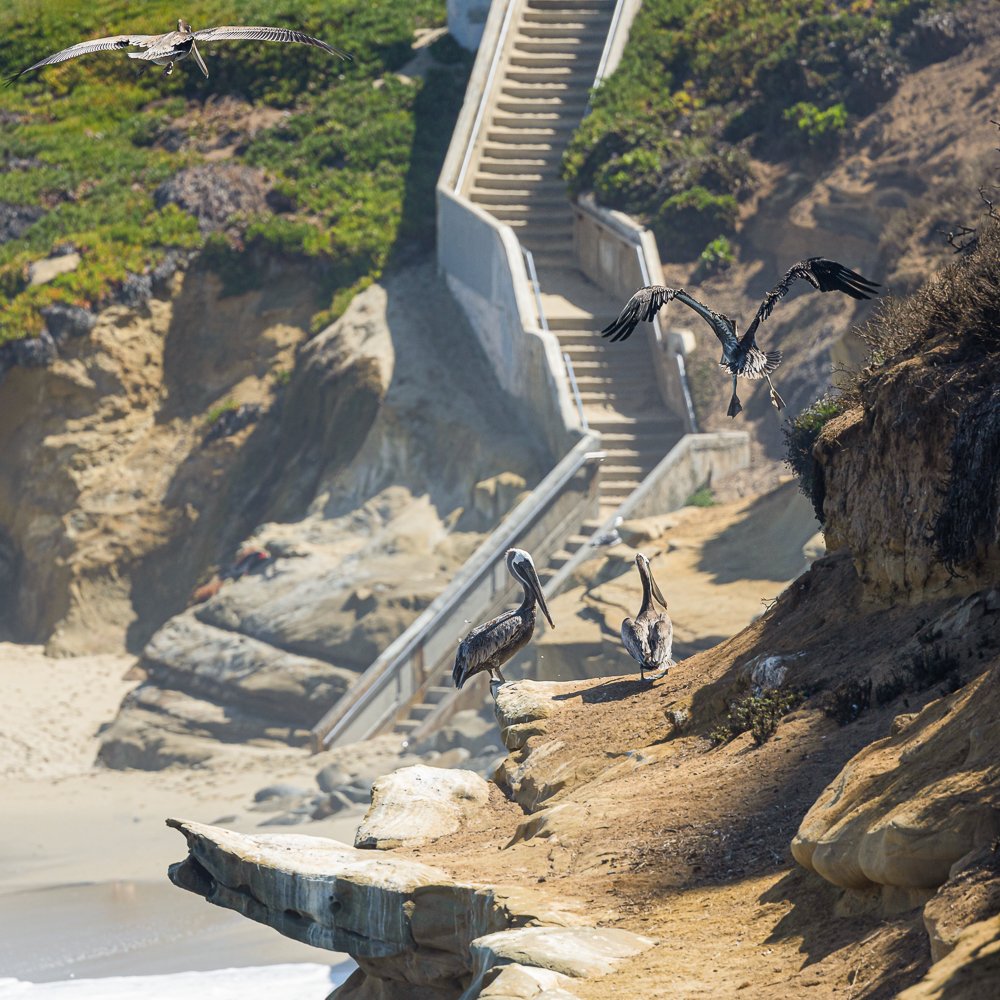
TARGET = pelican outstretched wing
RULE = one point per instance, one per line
(259, 33)
(824, 275)
(643, 306)
(84, 48)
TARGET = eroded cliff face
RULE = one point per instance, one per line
(393, 450)
(909, 475)
(103, 466)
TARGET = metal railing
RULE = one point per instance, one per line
(391, 681)
(487, 91)
(609, 42)
(529, 259)
(568, 361)
(679, 358)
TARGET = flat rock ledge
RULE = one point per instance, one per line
(415, 805)
(414, 932)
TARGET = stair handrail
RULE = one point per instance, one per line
(568, 361)
(609, 42)
(487, 91)
(678, 357)
(395, 657)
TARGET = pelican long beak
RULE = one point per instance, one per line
(536, 587)
(656, 592)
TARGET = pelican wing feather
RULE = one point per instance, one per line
(486, 645)
(642, 307)
(85, 48)
(261, 33)
(824, 275)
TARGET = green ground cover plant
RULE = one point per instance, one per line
(354, 159)
(703, 83)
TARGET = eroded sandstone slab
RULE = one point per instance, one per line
(415, 805)
(907, 807)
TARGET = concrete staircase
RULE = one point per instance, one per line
(554, 52)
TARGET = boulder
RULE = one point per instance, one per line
(906, 808)
(971, 894)
(577, 952)
(417, 804)
(214, 192)
(970, 971)
(522, 708)
(522, 982)
(235, 670)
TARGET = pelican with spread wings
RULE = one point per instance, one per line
(740, 355)
(173, 46)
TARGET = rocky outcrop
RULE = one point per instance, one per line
(971, 894)
(214, 192)
(414, 931)
(970, 971)
(907, 807)
(417, 804)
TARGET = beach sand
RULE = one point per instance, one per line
(84, 850)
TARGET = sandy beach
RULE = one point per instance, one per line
(84, 850)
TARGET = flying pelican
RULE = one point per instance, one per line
(740, 355)
(650, 635)
(489, 646)
(173, 46)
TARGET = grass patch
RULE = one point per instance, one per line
(848, 700)
(702, 497)
(800, 437)
(354, 158)
(757, 714)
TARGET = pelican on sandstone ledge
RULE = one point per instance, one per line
(489, 646)
(173, 46)
(649, 636)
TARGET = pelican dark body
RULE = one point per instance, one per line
(489, 646)
(741, 357)
(649, 637)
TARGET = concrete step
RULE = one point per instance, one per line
(581, 322)
(523, 166)
(564, 14)
(561, 32)
(404, 726)
(568, 76)
(517, 197)
(564, 107)
(437, 693)
(515, 182)
(542, 215)
(550, 134)
(559, 40)
(531, 121)
(578, 59)
(539, 90)
(521, 151)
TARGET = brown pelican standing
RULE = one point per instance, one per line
(650, 635)
(740, 355)
(173, 46)
(489, 646)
